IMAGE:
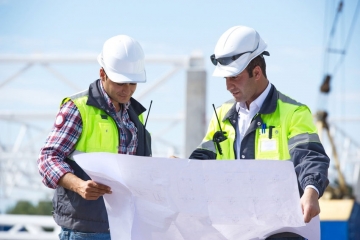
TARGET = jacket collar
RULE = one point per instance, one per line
(270, 102)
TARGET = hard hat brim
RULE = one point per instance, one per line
(122, 77)
(233, 68)
(237, 66)
(230, 70)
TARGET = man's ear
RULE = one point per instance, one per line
(102, 73)
(257, 72)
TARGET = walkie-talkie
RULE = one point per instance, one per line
(145, 127)
(219, 136)
(147, 114)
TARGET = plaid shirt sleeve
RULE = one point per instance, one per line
(59, 144)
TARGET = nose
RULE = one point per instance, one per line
(125, 88)
(229, 85)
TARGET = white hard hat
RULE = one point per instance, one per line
(123, 60)
(235, 49)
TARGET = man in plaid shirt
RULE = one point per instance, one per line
(104, 118)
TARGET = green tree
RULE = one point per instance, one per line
(27, 208)
(44, 208)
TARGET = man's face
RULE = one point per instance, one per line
(118, 92)
(242, 87)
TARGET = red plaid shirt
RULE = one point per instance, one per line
(64, 135)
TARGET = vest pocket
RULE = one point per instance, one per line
(106, 136)
(268, 143)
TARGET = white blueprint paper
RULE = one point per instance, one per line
(161, 198)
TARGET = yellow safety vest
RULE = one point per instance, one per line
(99, 131)
(275, 140)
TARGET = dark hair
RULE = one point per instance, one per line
(258, 61)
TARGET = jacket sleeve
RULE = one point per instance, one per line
(307, 153)
(207, 150)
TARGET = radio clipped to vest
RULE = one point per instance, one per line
(219, 136)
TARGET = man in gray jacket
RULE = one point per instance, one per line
(104, 118)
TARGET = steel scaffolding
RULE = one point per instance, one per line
(23, 131)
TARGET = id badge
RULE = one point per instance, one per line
(268, 147)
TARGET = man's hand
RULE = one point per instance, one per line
(310, 204)
(89, 190)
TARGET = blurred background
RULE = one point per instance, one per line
(48, 51)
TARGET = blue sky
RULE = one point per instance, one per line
(296, 33)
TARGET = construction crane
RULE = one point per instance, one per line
(342, 191)
(340, 210)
